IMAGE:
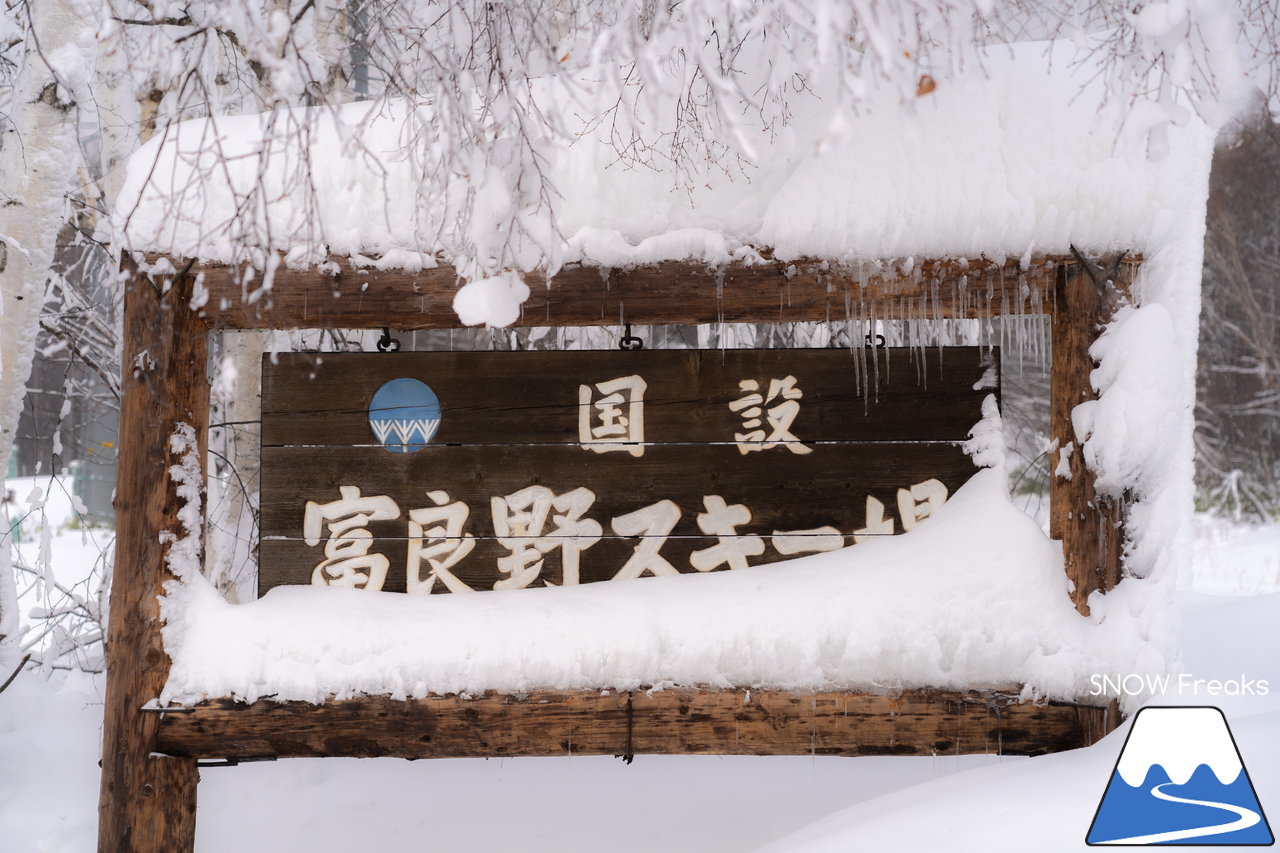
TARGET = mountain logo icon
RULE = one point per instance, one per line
(404, 415)
(1180, 780)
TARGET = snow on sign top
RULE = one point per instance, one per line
(1022, 155)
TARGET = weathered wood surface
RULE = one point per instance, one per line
(696, 722)
(669, 292)
(511, 420)
(887, 394)
(148, 802)
(1089, 526)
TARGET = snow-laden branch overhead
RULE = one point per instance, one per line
(1021, 153)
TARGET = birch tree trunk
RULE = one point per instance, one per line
(39, 154)
(231, 540)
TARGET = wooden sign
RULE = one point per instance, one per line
(455, 472)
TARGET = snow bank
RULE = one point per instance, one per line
(975, 596)
(1233, 559)
(50, 733)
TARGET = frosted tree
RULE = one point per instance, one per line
(38, 161)
(1238, 416)
(483, 93)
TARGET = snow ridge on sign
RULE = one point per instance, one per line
(938, 607)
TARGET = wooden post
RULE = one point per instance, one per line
(148, 803)
(1090, 527)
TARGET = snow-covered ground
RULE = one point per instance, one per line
(49, 731)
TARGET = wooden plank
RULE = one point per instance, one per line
(897, 394)
(669, 292)
(148, 803)
(783, 492)
(1089, 526)
(675, 721)
(512, 420)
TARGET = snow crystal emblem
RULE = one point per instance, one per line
(1179, 780)
(404, 415)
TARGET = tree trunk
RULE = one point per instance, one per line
(39, 154)
(232, 536)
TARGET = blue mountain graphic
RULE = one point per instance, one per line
(404, 415)
(1131, 812)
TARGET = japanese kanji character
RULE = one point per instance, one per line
(347, 559)
(920, 501)
(877, 524)
(602, 424)
(757, 412)
(722, 521)
(436, 538)
(520, 522)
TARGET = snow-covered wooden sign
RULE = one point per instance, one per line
(456, 472)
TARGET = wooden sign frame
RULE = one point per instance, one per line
(149, 762)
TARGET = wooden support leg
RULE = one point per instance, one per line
(1089, 527)
(148, 803)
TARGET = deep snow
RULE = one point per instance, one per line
(49, 739)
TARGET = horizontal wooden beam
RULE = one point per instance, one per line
(689, 292)
(699, 722)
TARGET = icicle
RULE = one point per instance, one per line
(873, 324)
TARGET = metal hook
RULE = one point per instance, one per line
(873, 339)
(629, 342)
(386, 343)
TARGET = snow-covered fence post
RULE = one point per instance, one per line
(1090, 526)
(148, 802)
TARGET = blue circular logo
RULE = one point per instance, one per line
(404, 414)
